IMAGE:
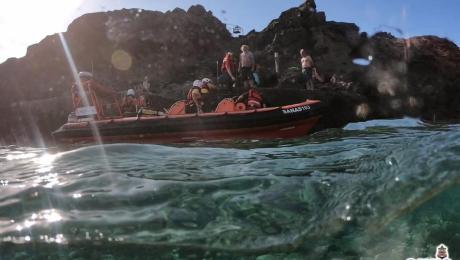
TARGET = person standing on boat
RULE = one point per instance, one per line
(307, 68)
(247, 66)
(228, 70)
(99, 97)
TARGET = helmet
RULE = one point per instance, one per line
(85, 74)
(130, 92)
(197, 83)
(206, 81)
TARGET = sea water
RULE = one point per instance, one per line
(374, 190)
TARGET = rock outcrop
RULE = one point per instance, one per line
(419, 76)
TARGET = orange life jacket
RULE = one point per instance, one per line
(204, 90)
(190, 95)
(254, 98)
(141, 101)
(89, 92)
(131, 105)
(227, 62)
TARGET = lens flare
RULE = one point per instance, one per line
(122, 60)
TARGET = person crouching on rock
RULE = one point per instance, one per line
(228, 71)
(307, 68)
(198, 96)
(253, 99)
(247, 66)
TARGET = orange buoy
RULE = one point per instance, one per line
(226, 105)
(177, 108)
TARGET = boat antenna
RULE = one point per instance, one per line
(217, 71)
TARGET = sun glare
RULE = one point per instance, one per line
(25, 22)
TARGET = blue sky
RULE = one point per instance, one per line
(413, 17)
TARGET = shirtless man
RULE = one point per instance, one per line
(307, 68)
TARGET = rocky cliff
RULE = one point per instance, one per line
(418, 76)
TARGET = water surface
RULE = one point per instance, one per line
(376, 190)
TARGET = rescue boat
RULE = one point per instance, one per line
(230, 120)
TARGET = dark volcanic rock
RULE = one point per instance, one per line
(120, 47)
(418, 76)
